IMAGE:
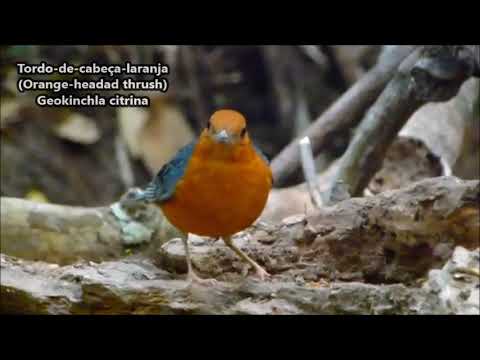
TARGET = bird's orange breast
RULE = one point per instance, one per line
(219, 197)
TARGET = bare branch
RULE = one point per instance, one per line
(314, 54)
(124, 164)
(421, 78)
(343, 114)
(310, 174)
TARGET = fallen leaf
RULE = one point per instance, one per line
(37, 196)
(78, 128)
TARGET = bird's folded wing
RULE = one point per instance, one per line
(162, 187)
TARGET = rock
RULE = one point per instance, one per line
(136, 286)
(382, 245)
(457, 284)
(397, 236)
(266, 307)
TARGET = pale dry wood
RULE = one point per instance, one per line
(65, 234)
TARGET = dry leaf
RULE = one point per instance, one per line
(78, 128)
(37, 196)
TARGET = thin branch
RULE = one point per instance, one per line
(314, 54)
(124, 164)
(310, 174)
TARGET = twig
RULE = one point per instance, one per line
(302, 118)
(309, 171)
(343, 114)
(314, 54)
(124, 165)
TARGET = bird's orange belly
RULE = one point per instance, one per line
(217, 200)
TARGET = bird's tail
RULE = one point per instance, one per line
(148, 194)
(152, 191)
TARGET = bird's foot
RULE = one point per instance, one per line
(262, 273)
(192, 277)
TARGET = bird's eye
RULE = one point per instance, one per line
(209, 126)
(244, 131)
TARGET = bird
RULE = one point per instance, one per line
(216, 186)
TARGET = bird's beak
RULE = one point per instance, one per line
(222, 137)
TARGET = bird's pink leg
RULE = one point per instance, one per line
(191, 275)
(261, 272)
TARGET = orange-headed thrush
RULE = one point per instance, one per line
(216, 186)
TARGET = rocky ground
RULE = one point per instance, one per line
(407, 251)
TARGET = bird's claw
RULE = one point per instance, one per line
(262, 273)
(194, 278)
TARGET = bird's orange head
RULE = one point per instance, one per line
(227, 127)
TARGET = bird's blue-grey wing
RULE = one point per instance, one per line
(162, 187)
